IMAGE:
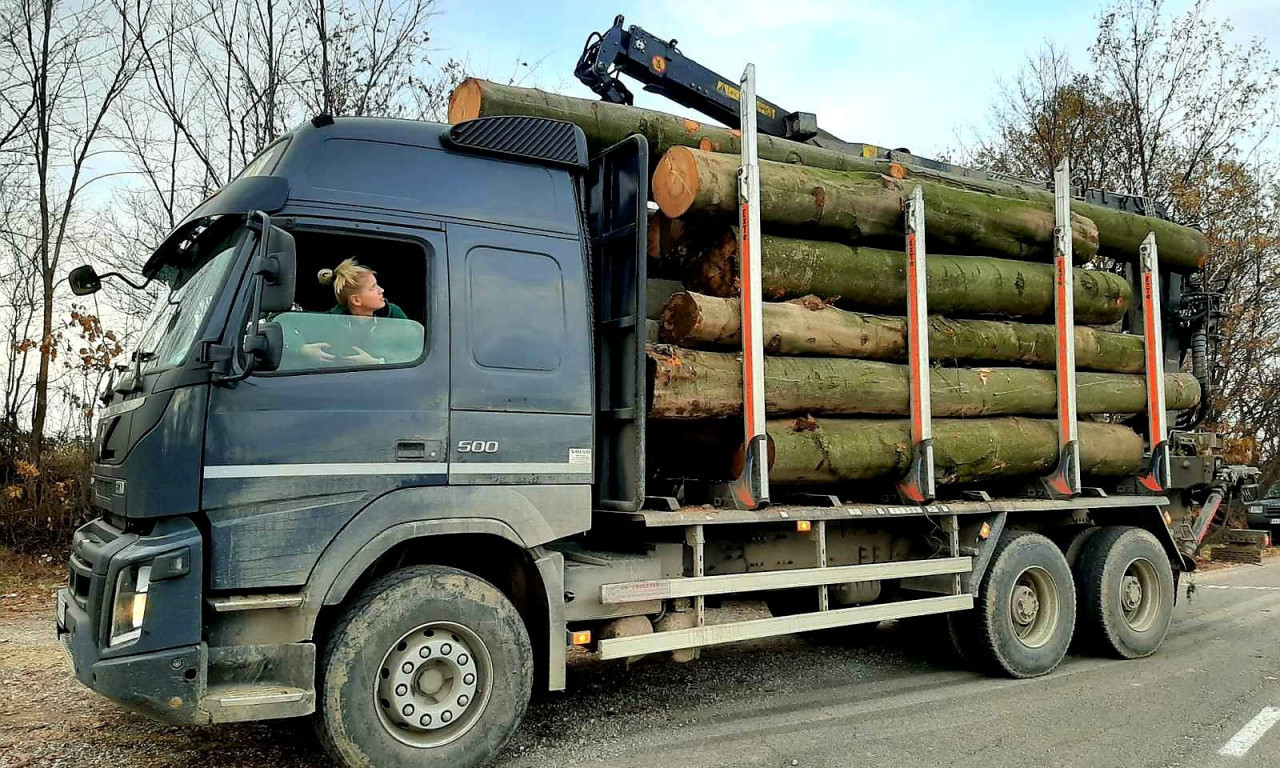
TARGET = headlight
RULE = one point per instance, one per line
(130, 605)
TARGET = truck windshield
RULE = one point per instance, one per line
(190, 286)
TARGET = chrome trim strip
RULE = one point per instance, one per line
(235, 471)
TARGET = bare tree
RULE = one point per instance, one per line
(368, 50)
(1047, 112)
(72, 62)
(1187, 95)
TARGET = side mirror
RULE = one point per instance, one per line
(265, 348)
(84, 280)
(278, 267)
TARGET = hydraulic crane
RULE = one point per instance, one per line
(663, 69)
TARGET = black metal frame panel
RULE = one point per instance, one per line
(617, 188)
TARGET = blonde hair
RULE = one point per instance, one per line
(347, 278)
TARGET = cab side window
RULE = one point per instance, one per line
(324, 333)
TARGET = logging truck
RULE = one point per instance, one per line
(399, 524)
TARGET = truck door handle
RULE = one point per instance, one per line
(419, 450)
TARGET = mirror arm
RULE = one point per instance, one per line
(127, 281)
(221, 356)
(260, 222)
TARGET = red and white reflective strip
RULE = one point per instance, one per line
(1153, 336)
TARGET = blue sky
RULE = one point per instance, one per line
(915, 74)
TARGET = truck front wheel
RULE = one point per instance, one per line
(1125, 592)
(429, 666)
(1025, 610)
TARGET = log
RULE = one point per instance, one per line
(826, 451)
(694, 384)
(842, 205)
(1119, 232)
(810, 326)
(874, 279)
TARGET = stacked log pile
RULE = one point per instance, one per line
(834, 274)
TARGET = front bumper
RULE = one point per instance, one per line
(163, 673)
(1265, 520)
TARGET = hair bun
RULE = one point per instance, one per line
(325, 276)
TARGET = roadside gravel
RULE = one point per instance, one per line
(48, 719)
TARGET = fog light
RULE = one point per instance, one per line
(129, 608)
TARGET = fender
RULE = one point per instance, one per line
(529, 516)
(526, 516)
(417, 529)
(1149, 518)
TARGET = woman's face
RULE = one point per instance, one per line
(369, 298)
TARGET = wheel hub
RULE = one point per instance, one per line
(1140, 594)
(1026, 606)
(1131, 592)
(1034, 607)
(428, 681)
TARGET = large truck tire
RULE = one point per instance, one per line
(1126, 590)
(1025, 610)
(429, 666)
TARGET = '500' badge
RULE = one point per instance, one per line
(477, 446)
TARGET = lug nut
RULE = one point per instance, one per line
(402, 689)
(468, 678)
(424, 651)
(407, 668)
(462, 659)
(462, 700)
(446, 716)
(446, 649)
(424, 720)
(407, 710)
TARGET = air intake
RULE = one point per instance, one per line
(537, 139)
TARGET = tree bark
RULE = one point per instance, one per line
(809, 326)
(691, 384)
(824, 451)
(1119, 232)
(870, 278)
(864, 206)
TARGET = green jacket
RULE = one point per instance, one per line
(388, 310)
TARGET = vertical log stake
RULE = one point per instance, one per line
(1156, 477)
(1064, 482)
(917, 486)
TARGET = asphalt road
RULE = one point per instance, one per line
(1219, 668)
(776, 703)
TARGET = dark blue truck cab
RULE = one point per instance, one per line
(240, 504)
(399, 524)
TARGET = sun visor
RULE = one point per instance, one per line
(251, 193)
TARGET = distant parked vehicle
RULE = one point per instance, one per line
(1264, 514)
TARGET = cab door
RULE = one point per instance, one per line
(521, 409)
(292, 455)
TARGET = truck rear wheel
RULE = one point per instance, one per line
(1025, 609)
(1126, 592)
(430, 665)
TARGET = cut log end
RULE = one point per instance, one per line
(679, 318)
(464, 102)
(675, 182)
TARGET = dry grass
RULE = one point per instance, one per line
(41, 506)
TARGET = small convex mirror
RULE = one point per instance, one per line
(84, 280)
